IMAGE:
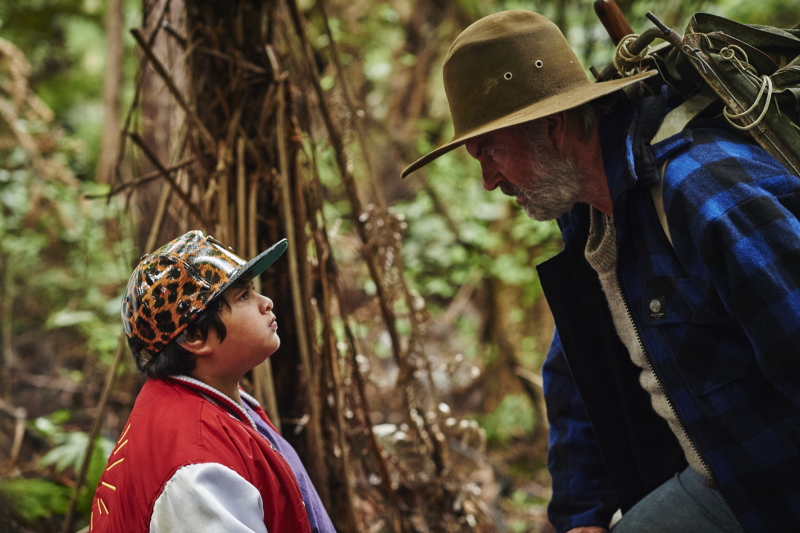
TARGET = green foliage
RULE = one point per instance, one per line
(779, 13)
(65, 42)
(68, 451)
(513, 417)
(64, 271)
(36, 498)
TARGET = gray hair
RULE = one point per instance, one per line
(587, 116)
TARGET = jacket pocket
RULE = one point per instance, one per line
(710, 348)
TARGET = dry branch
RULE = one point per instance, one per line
(207, 139)
(155, 229)
(150, 176)
(319, 476)
(356, 113)
(137, 139)
(345, 311)
(262, 375)
(137, 94)
(98, 421)
(350, 185)
(241, 192)
(20, 416)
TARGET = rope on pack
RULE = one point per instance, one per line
(624, 60)
(729, 53)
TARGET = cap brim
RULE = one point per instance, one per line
(258, 264)
(542, 108)
(264, 260)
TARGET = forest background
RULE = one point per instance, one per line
(413, 391)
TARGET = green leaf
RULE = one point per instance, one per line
(66, 317)
(36, 498)
(68, 454)
(513, 417)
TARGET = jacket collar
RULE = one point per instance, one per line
(218, 398)
(628, 158)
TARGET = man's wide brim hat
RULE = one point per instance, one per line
(509, 68)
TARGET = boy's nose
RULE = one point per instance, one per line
(266, 304)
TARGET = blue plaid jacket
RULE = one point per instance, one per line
(725, 343)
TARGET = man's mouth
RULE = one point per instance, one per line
(510, 190)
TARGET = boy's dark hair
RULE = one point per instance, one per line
(173, 359)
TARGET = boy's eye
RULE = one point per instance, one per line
(245, 295)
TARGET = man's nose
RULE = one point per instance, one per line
(491, 178)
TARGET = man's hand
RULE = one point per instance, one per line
(588, 530)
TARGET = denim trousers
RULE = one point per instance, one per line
(683, 504)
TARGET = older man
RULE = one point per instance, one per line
(677, 341)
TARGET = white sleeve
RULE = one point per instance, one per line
(208, 497)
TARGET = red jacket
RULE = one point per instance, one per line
(172, 425)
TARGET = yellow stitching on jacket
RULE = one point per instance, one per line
(120, 447)
(115, 464)
(109, 486)
(124, 433)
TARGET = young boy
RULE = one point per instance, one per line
(198, 454)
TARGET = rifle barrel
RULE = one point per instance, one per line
(613, 20)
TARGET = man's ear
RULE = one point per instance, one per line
(196, 344)
(557, 129)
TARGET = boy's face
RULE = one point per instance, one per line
(251, 331)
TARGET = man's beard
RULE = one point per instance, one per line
(554, 185)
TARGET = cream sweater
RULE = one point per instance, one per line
(601, 253)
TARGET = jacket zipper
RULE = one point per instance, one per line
(666, 396)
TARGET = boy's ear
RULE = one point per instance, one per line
(196, 344)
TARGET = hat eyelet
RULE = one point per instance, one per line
(539, 63)
(508, 75)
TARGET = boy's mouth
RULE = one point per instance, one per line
(274, 322)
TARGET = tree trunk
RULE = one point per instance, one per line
(111, 92)
(161, 119)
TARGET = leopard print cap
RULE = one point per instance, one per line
(172, 285)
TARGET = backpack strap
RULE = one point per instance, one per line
(674, 122)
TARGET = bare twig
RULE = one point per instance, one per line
(146, 178)
(462, 297)
(137, 139)
(208, 140)
(155, 229)
(262, 374)
(529, 376)
(20, 416)
(98, 421)
(241, 192)
(137, 94)
(235, 60)
(323, 243)
(173, 31)
(19, 433)
(329, 349)
(357, 113)
(222, 206)
(320, 476)
(7, 306)
(350, 186)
